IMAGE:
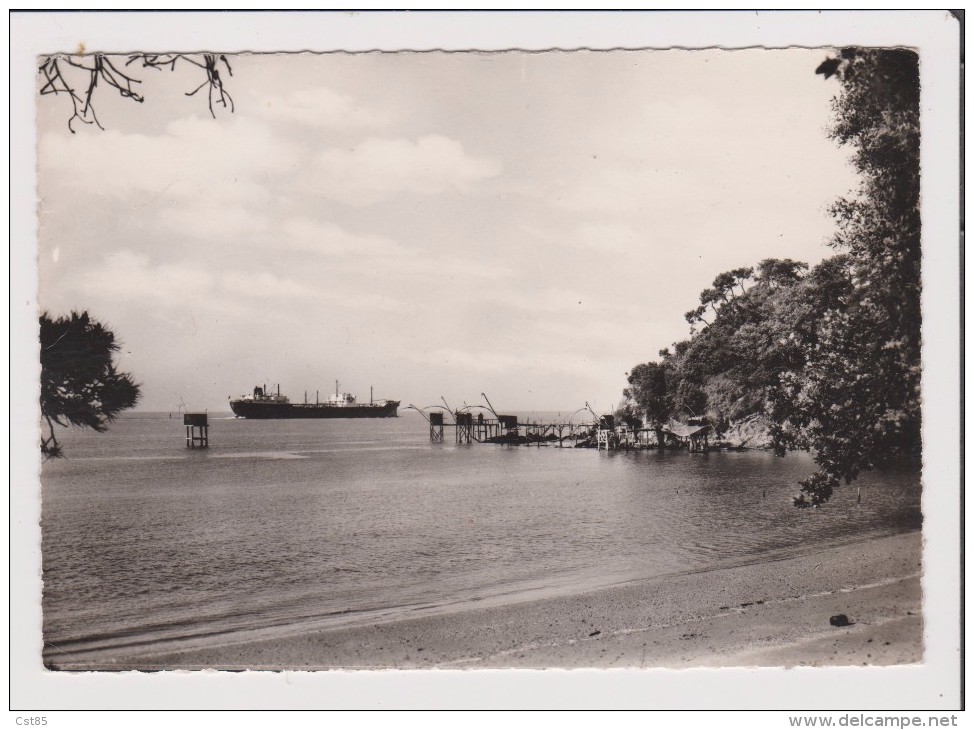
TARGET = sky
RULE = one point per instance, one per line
(525, 225)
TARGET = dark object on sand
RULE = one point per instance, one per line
(840, 619)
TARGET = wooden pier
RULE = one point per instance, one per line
(488, 426)
(587, 431)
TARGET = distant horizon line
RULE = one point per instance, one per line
(144, 411)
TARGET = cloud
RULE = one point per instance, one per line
(214, 222)
(445, 269)
(499, 363)
(621, 188)
(484, 362)
(325, 237)
(320, 107)
(126, 276)
(130, 277)
(359, 301)
(378, 168)
(606, 236)
(263, 285)
(194, 160)
(547, 300)
(378, 256)
(604, 335)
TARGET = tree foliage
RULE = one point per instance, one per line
(858, 398)
(650, 388)
(726, 368)
(80, 385)
(831, 356)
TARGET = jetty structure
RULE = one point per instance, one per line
(483, 424)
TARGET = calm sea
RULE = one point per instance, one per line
(281, 526)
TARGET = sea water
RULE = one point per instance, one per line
(288, 525)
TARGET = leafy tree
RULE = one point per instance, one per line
(741, 276)
(799, 322)
(727, 370)
(724, 283)
(80, 385)
(695, 317)
(649, 389)
(781, 272)
(857, 400)
(831, 355)
(721, 293)
(739, 357)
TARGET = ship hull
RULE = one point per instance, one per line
(249, 409)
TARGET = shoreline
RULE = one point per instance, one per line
(773, 612)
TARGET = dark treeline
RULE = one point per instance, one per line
(829, 355)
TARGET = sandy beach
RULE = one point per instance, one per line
(770, 613)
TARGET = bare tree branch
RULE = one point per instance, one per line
(93, 70)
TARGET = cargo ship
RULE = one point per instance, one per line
(263, 404)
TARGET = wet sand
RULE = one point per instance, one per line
(771, 613)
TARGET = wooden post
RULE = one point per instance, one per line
(464, 428)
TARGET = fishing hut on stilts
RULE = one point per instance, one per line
(695, 433)
(489, 426)
(197, 430)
